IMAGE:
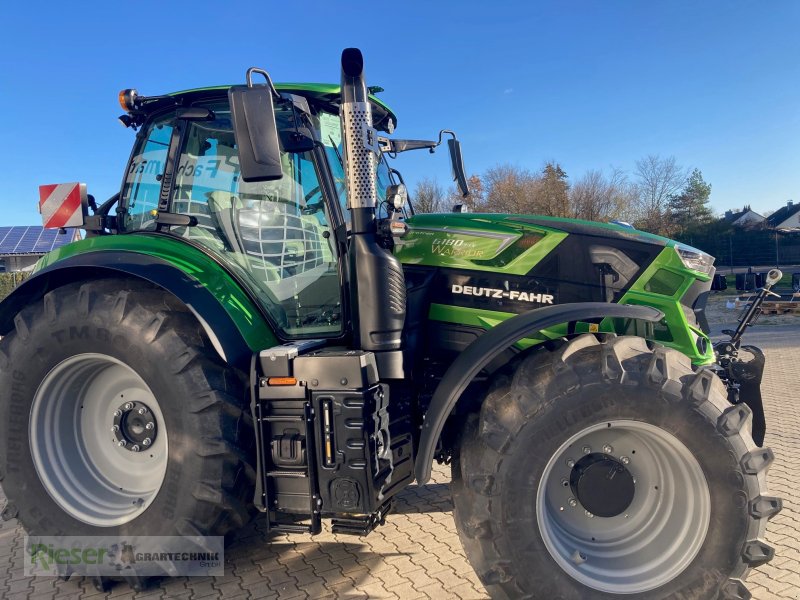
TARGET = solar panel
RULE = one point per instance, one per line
(45, 241)
(32, 240)
(4, 231)
(28, 240)
(11, 240)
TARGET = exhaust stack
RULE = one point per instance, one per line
(360, 139)
(377, 285)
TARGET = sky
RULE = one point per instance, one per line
(592, 85)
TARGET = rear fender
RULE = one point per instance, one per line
(221, 320)
(488, 346)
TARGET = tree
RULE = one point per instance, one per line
(689, 208)
(597, 197)
(509, 189)
(553, 189)
(428, 197)
(657, 179)
(474, 202)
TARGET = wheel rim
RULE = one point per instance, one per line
(87, 463)
(654, 538)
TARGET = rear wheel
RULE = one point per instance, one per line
(121, 418)
(608, 469)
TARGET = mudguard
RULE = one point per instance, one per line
(748, 374)
(222, 328)
(489, 345)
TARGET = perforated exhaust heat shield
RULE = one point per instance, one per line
(360, 138)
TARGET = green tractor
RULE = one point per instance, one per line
(263, 326)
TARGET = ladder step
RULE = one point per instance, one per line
(283, 418)
(288, 528)
(287, 474)
(363, 525)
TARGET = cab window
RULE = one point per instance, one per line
(275, 235)
(142, 185)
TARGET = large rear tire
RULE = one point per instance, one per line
(607, 469)
(118, 418)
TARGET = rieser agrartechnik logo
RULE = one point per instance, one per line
(143, 556)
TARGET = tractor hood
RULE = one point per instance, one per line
(475, 270)
(508, 243)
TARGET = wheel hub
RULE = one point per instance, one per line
(134, 427)
(602, 484)
(623, 506)
(88, 416)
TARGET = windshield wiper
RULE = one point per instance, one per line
(336, 149)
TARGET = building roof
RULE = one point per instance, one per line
(732, 216)
(783, 213)
(33, 239)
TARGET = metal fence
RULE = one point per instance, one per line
(743, 248)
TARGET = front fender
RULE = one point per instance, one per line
(488, 346)
(232, 324)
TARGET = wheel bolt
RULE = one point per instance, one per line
(135, 447)
(128, 405)
(625, 460)
(564, 482)
(149, 426)
(570, 463)
(146, 442)
(608, 449)
(587, 449)
(141, 411)
(121, 443)
(117, 413)
(572, 502)
(115, 429)
(588, 514)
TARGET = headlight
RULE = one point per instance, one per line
(695, 259)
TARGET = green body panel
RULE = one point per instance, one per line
(475, 242)
(684, 335)
(248, 319)
(642, 235)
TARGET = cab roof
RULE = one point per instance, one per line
(323, 93)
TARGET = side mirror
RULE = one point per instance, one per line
(457, 166)
(255, 130)
(296, 140)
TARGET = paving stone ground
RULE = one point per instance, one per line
(417, 553)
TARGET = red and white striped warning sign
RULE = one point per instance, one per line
(62, 204)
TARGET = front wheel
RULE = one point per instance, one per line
(608, 469)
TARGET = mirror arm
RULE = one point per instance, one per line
(444, 131)
(252, 70)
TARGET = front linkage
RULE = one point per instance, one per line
(743, 376)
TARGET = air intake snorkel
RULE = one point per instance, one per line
(360, 141)
(377, 285)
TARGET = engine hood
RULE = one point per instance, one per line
(509, 243)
